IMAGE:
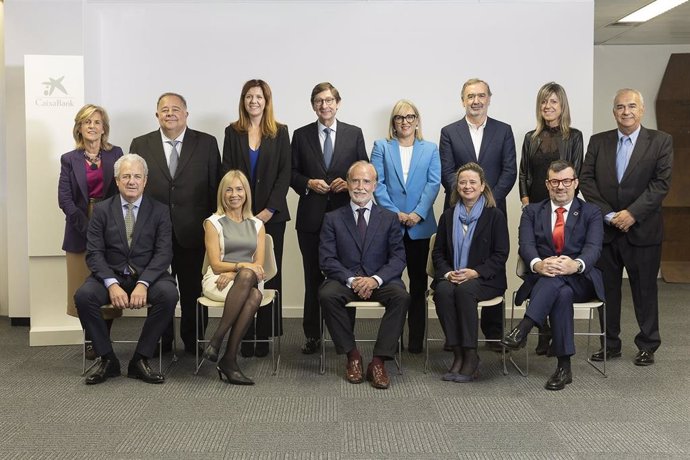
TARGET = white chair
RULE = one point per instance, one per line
(271, 297)
(355, 304)
(430, 271)
(591, 307)
(160, 347)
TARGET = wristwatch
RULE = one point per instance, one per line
(580, 266)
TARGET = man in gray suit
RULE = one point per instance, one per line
(627, 173)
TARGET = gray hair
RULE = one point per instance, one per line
(130, 158)
(628, 90)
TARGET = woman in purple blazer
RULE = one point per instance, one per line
(86, 177)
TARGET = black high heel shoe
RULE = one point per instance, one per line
(210, 353)
(234, 376)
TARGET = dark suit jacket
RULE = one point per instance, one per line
(73, 194)
(488, 252)
(107, 252)
(343, 255)
(584, 234)
(191, 195)
(496, 156)
(270, 186)
(642, 189)
(308, 163)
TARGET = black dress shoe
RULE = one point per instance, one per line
(515, 339)
(559, 379)
(644, 358)
(311, 346)
(104, 369)
(610, 353)
(140, 369)
(234, 376)
(261, 349)
(210, 353)
(496, 347)
(247, 349)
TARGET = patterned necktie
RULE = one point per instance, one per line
(623, 156)
(559, 231)
(129, 223)
(174, 156)
(361, 223)
(327, 147)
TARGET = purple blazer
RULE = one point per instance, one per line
(73, 194)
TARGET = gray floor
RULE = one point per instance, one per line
(47, 412)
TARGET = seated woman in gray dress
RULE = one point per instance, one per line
(235, 246)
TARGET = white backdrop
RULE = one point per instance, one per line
(374, 52)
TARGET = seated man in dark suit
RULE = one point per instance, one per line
(362, 256)
(128, 250)
(560, 240)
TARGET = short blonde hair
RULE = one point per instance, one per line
(224, 182)
(84, 114)
(398, 108)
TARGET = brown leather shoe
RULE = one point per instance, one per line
(376, 374)
(353, 371)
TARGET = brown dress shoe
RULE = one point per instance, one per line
(353, 371)
(376, 374)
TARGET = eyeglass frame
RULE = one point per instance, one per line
(327, 101)
(558, 182)
(400, 118)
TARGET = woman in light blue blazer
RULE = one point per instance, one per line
(409, 177)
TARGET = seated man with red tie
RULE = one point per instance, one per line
(560, 240)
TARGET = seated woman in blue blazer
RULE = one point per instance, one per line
(469, 255)
(409, 178)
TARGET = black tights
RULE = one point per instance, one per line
(241, 304)
(465, 360)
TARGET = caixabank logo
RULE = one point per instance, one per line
(55, 93)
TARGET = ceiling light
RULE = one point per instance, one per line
(652, 10)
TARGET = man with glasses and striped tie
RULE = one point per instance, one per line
(560, 241)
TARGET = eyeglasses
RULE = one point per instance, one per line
(556, 182)
(408, 118)
(327, 101)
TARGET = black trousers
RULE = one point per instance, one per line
(642, 264)
(341, 320)
(263, 316)
(161, 296)
(309, 247)
(456, 307)
(416, 253)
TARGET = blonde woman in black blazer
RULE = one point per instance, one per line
(259, 146)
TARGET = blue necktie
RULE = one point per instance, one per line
(623, 156)
(327, 148)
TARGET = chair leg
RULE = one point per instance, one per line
(602, 369)
(197, 363)
(322, 363)
(426, 333)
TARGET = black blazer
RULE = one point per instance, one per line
(641, 190)
(191, 195)
(107, 252)
(488, 252)
(270, 186)
(308, 163)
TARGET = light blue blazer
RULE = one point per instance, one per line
(418, 193)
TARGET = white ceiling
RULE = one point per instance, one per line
(670, 28)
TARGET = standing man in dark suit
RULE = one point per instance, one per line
(363, 256)
(129, 250)
(560, 241)
(627, 173)
(185, 171)
(321, 154)
(490, 143)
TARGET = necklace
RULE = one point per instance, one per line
(93, 162)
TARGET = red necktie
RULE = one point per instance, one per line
(559, 231)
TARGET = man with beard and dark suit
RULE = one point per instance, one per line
(363, 256)
(322, 152)
(129, 250)
(184, 173)
(627, 173)
(560, 242)
(490, 143)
